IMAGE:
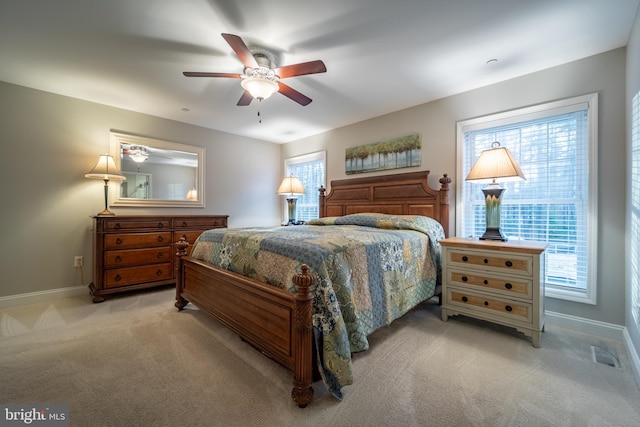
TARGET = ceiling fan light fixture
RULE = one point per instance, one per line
(261, 82)
(138, 153)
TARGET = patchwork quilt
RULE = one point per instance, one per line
(371, 269)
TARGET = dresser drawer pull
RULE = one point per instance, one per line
(486, 282)
(160, 239)
(215, 223)
(160, 225)
(465, 278)
(184, 223)
(118, 259)
(118, 241)
(508, 308)
(508, 264)
(465, 258)
(486, 261)
(118, 278)
(160, 255)
(159, 273)
(117, 226)
(486, 303)
(508, 285)
(465, 299)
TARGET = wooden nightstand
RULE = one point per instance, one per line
(502, 282)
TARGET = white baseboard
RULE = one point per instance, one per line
(587, 326)
(41, 296)
(633, 356)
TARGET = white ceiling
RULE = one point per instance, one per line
(381, 55)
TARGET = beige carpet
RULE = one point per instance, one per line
(136, 361)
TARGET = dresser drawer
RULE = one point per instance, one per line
(133, 257)
(513, 310)
(137, 240)
(116, 224)
(132, 275)
(495, 261)
(514, 286)
(203, 223)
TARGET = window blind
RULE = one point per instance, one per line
(553, 203)
(310, 169)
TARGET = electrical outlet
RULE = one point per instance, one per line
(77, 261)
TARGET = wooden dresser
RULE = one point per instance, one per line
(137, 252)
(502, 282)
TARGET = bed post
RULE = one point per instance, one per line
(302, 392)
(181, 246)
(444, 202)
(321, 197)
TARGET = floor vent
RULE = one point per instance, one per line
(604, 355)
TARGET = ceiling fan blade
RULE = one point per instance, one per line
(245, 99)
(199, 74)
(311, 67)
(293, 94)
(241, 49)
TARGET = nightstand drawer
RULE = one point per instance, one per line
(508, 286)
(492, 306)
(133, 257)
(132, 275)
(137, 240)
(507, 263)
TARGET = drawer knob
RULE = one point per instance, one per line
(486, 303)
(159, 273)
(486, 261)
(160, 239)
(508, 285)
(118, 278)
(117, 226)
(118, 259)
(160, 255)
(184, 223)
(465, 278)
(486, 282)
(465, 299)
(118, 241)
(508, 264)
(508, 308)
(160, 225)
(465, 258)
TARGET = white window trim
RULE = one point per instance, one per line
(303, 158)
(493, 120)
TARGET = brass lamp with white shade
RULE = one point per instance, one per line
(291, 187)
(494, 163)
(105, 170)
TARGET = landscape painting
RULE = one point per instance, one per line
(395, 153)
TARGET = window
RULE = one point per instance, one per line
(310, 169)
(555, 145)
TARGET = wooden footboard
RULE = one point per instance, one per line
(275, 321)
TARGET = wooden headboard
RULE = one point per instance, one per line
(398, 194)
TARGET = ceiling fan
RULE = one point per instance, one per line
(260, 78)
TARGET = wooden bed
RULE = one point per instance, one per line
(277, 322)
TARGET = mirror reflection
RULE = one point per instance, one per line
(158, 173)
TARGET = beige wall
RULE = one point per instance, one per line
(49, 142)
(436, 121)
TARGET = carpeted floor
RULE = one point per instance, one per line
(136, 361)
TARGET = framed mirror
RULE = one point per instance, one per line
(159, 173)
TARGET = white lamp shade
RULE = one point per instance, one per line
(290, 186)
(496, 162)
(105, 169)
(258, 87)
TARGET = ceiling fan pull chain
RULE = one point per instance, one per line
(259, 117)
